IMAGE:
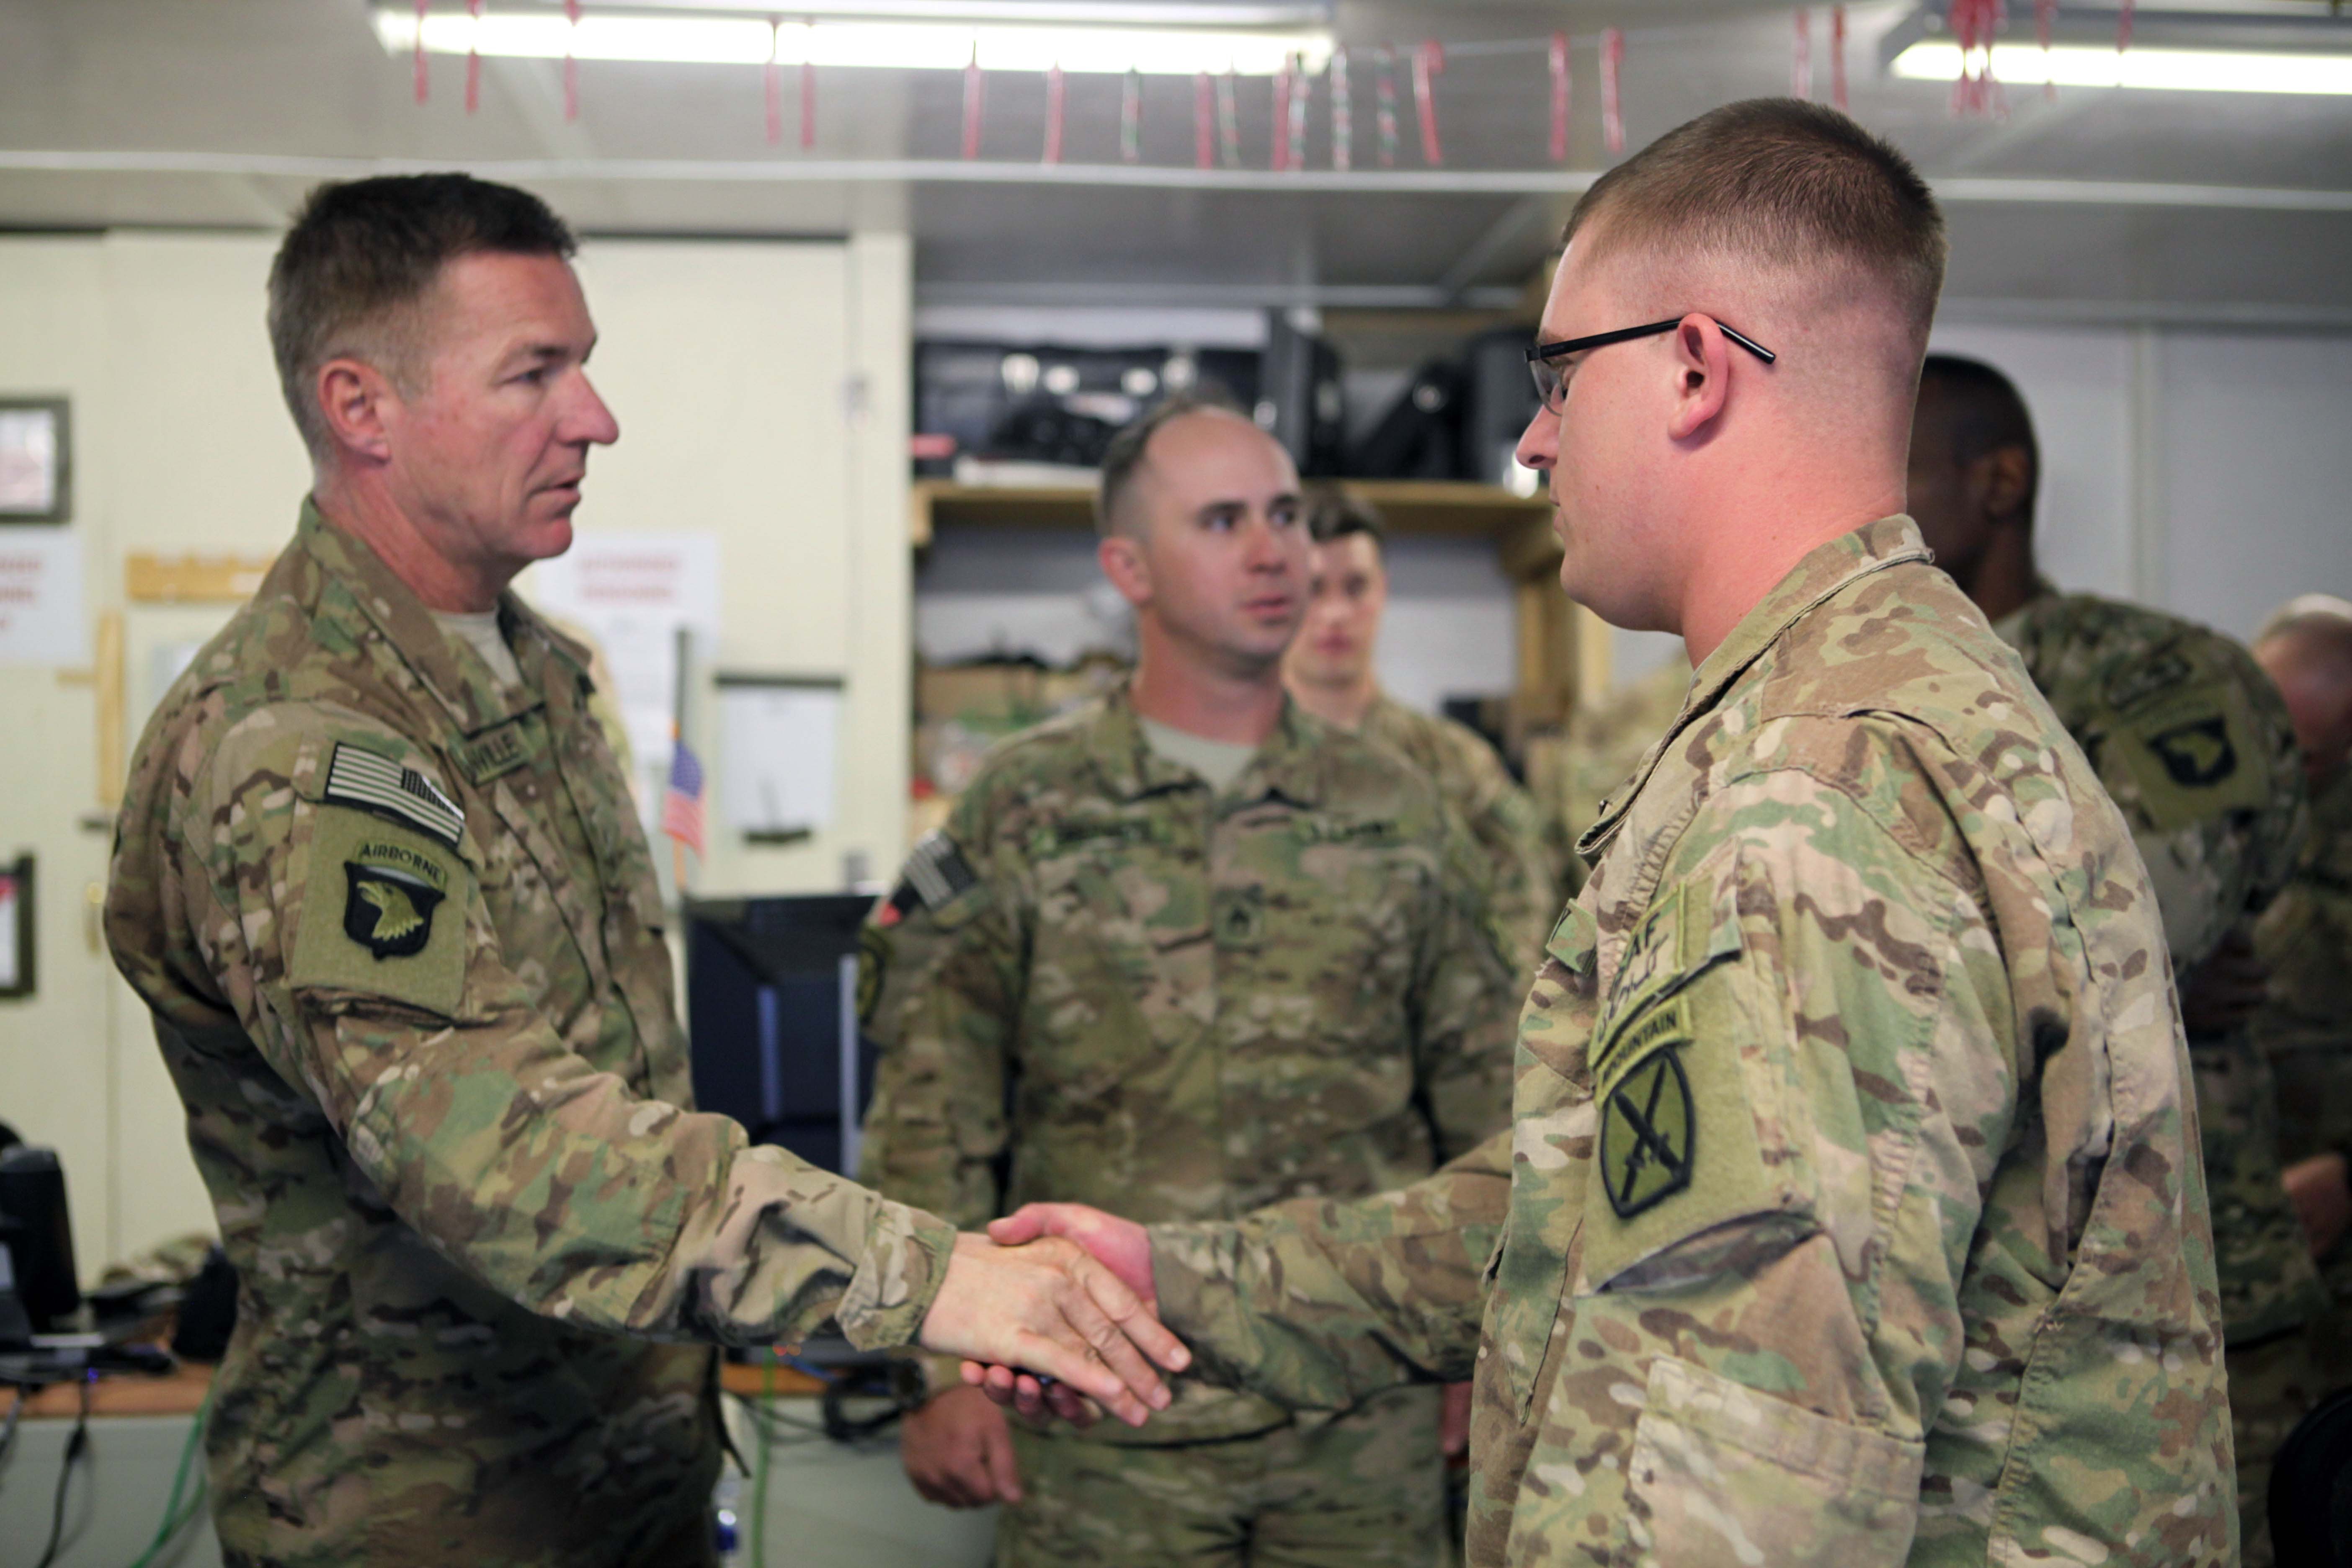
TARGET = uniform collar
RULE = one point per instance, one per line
(1826, 571)
(474, 698)
(1288, 764)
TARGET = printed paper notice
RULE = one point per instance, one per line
(779, 742)
(42, 619)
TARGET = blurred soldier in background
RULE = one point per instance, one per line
(2304, 939)
(1189, 950)
(2193, 742)
(1329, 672)
(1604, 744)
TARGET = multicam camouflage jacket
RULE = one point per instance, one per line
(2195, 746)
(402, 939)
(1850, 1213)
(1176, 1005)
(2304, 1031)
(1522, 894)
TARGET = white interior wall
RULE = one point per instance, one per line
(762, 392)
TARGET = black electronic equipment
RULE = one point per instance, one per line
(1498, 398)
(37, 1234)
(1300, 387)
(771, 1010)
(1046, 403)
(1420, 436)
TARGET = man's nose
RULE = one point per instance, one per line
(1539, 442)
(588, 419)
(1269, 547)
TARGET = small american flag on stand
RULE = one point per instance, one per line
(682, 802)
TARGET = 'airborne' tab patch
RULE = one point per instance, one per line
(372, 782)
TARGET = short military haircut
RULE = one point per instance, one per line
(1122, 461)
(1333, 512)
(360, 259)
(1777, 179)
(2320, 623)
(1984, 412)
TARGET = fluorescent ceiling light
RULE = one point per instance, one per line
(1117, 13)
(2100, 65)
(896, 44)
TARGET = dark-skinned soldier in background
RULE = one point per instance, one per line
(2192, 738)
(381, 882)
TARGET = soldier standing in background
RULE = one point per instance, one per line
(1329, 672)
(1189, 950)
(2305, 940)
(1604, 744)
(1850, 1211)
(381, 881)
(2192, 740)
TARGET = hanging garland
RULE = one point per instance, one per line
(1428, 64)
(1386, 110)
(1613, 97)
(1054, 104)
(1800, 62)
(1563, 87)
(1343, 117)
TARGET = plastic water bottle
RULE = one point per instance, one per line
(730, 1529)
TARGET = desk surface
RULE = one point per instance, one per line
(184, 1390)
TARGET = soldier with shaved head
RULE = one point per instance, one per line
(1851, 1209)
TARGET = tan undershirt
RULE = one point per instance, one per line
(1219, 761)
(479, 631)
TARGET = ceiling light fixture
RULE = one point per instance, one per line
(2167, 70)
(898, 44)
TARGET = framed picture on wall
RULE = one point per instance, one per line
(35, 459)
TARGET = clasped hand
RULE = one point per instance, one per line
(1034, 1302)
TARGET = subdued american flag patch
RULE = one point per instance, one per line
(372, 782)
(935, 872)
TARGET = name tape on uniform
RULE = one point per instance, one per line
(357, 776)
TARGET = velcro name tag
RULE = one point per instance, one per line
(374, 783)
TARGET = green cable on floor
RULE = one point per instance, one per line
(758, 1556)
(175, 1519)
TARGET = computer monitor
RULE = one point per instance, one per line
(772, 1012)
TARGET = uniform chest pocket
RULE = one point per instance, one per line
(1551, 1140)
(1694, 1126)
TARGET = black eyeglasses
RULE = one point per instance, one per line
(1550, 385)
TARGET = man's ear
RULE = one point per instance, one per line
(1702, 376)
(2002, 476)
(356, 399)
(1124, 563)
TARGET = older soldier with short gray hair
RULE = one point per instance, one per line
(380, 880)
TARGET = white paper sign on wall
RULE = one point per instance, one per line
(42, 617)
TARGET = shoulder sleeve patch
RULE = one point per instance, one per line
(935, 875)
(384, 913)
(372, 782)
(2193, 757)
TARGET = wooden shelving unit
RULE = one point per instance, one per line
(1559, 654)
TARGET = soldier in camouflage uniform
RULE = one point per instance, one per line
(1852, 1211)
(1329, 671)
(2192, 741)
(1604, 743)
(1184, 978)
(2304, 939)
(385, 893)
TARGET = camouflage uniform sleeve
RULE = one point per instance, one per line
(355, 947)
(937, 1127)
(1316, 1304)
(1801, 1079)
(1466, 997)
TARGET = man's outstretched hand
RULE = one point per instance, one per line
(1121, 1245)
(1050, 1310)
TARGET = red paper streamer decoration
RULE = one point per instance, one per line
(1131, 117)
(2124, 12)
(570, 65)
(975, 90)
(772, 81)
(1053, 102)
(424, 77)
(1204, 121)
(1228, 117)
(1559, 98)
(808, 96)
(1801, 61)
(1343, 115)
(1837, 56)
(1385, 99)
(1428, 64)
(1612, 99)
(474, 60)
(1278, 152)
(1973, 23)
